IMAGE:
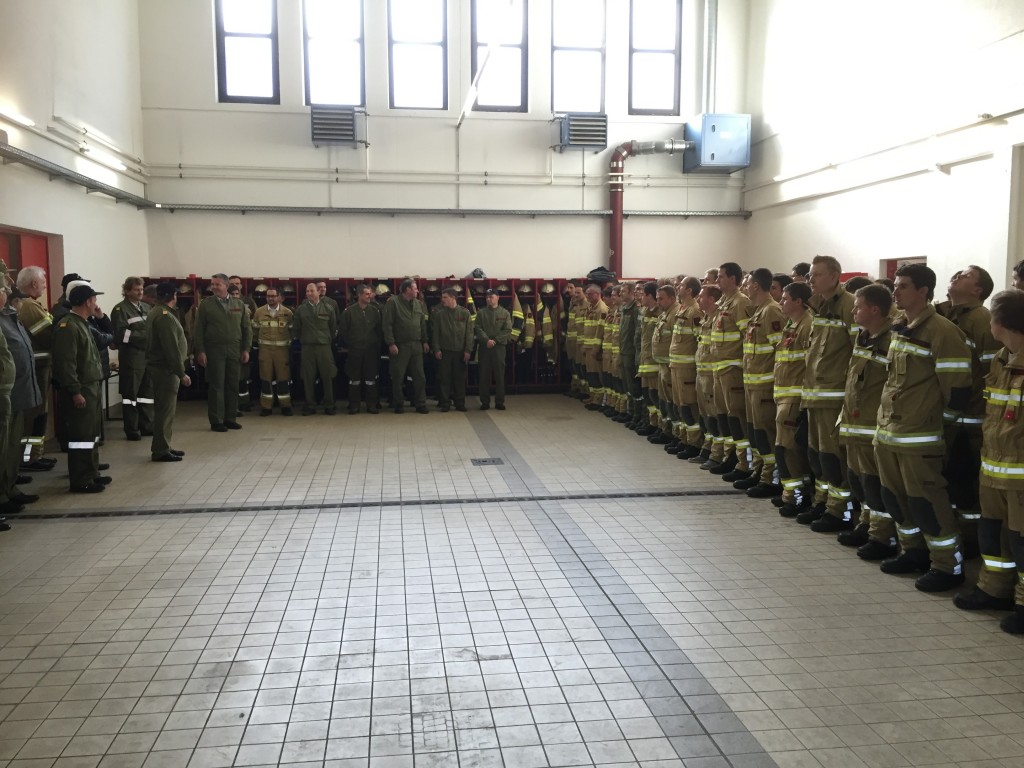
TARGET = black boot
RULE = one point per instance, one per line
(1014, 623)
(979, 600)
(858, 537)
(909, 561)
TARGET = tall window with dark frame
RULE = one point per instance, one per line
(334, 52)
(418, 48)
(654, 56)
(499, 46)
(247, 67)
(577, 55)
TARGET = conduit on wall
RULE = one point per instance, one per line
(616, 173)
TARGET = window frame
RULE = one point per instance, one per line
(674, 112)
(444, 60)
(362, 56)
(524, 66)
(603, 51)
(275, 64)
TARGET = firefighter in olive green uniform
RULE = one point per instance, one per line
(682, 363)
(832, 334)
(10, 496)
(129, 320)
(39, 323)
(763, 334)
(734, 311)
(629, 321)
(1001, 530)
(493, 329)
(858, 421)
(272, 332)
(166, 350)
(360, 331)
(451, 334)
(222, 337)
(77, 373)
(967, 290)
(713, 447)
(405, 333)
(661, 342)
(929, 373)
(647, 369)
(790, 417)
(314, 324)
(611, 401)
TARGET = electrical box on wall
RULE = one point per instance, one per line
(721, 144)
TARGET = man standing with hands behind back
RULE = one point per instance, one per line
(166, 351)
(405, 333)
(493, 330)
(222, 337)
(452, 335)
(77, 373)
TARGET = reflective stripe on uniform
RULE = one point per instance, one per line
(41, 325)
(683, 359)
(788, 392)
(918, 438)
(849, 429)
(952, 364)
(998, 564)
(813, 393)
(758, 378)
(1001, 468)
(899, 344)
(81, 445)
(949, 542)
(145, 401)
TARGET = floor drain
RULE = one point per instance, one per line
(485, 462)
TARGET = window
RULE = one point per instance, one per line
(334, 51)
(247, 51)
(654, 57)
(499, 47)
(577, 55)
(418, 43)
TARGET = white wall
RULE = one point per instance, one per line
(868, 138)
(78, 61)
(201, 151)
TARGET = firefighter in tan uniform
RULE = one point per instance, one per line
(968, 288)
(629, 324)
(682, 363)
(571, 341)
(611, 402)
(832, 335)
(39, 322)
(726, 354)
(647, 369)
(582, 317)
(1001, 530)
(660, 343)
(875, 535)
(763, 334)
(593, 333)
(272, 329)
(790, 416)
(929, 373)
(713, 447)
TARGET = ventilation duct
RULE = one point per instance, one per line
(581, 131)
(334, 125)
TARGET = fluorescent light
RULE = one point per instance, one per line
(17, 117)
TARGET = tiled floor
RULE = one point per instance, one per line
(352, 591)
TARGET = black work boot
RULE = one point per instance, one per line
(810, 515)
(876, 550)
(909, 561)
(858, 537)
(939, 581)
(979, 600)
(1014, 623)
(724, 467)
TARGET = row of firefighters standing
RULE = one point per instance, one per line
(826, 414)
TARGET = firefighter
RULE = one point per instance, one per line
(929, 374)
(875, 535)
(790, 416)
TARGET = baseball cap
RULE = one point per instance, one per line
(81, 294)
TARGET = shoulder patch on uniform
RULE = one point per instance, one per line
(165, 312)
(63, 323)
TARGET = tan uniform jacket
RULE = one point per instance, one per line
(727, 337)
(648, 321)
(869, 369)
(975, 321)
(610, 342)
(703, 354)
(272, 330)
(593, 332)
(1002, 452)
(929, 374)
(832, 335)
(662, 339)
(39, 323)
(791, 359)
(682, 352)
(764, 332)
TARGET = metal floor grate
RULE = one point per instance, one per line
(486, 462)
